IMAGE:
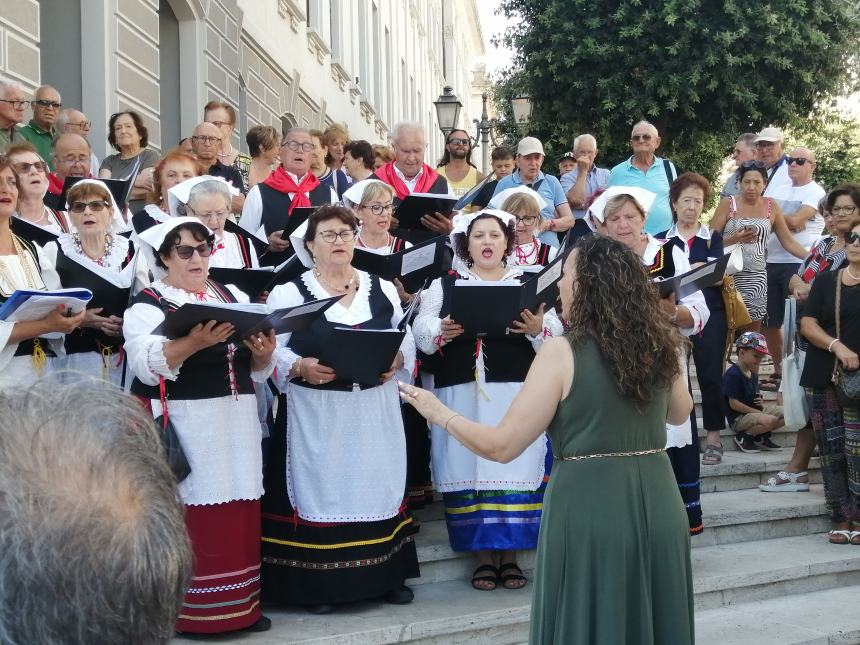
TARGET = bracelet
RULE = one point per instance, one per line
(451, 418)
(299, 370)
(832, 343)
(551, 225)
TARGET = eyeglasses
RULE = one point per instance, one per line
(330, 236)
(847, 210)
(47, 103)
(200, 138)
(851, 238)
(295, 146)
(83, 125)
(208, 216)
(764, 144)
(18, 105)
(528, 220)
(23, 167)
(752, 163)
(219, 124)
(95, 206)
(459, 142)
(641, 137)
(185, 251)
(800, 161)
(379, 209)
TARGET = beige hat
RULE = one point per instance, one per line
(770, 134)
(529, 146)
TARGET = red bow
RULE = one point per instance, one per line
(282, 182)
(425, 181)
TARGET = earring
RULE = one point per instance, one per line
(470, 262)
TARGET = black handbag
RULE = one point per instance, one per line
(846, 383)
(173, 451)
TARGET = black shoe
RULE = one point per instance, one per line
(403, 595)
(766, 443)
(321, 609)
(262, 625)
(745, 443)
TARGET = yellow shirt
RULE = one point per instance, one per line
(460, 188)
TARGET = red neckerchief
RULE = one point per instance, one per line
(387, 174)
(281, 181)
(55, 184)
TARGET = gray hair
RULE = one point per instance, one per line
(584, 136)
(748, 139)
(295, 129)
(5, 86)
(93, 547)
(646, 123)
(210, 187)
(407, 126)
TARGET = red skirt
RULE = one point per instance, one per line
(224, 594)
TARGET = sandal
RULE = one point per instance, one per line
(713, 455)
(839, 537)
(517, 578)
(855, 538)
(786, 482)
(494, 578)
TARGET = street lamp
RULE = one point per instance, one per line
(484, 129)
(447, 110)
(522, 108)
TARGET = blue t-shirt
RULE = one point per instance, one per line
(547, 187)
(654, 179)
(738, 386)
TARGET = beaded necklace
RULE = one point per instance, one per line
(102, 261)
(524, 258)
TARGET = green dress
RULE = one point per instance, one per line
(613, 560)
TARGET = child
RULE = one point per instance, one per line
(525, 204)
(747, 416)
(502, 163)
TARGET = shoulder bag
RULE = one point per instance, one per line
(847, 383)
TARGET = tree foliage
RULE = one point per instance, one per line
(703, 71)
(835, 139)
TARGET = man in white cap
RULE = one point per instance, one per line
(769, 146)
(556, 217)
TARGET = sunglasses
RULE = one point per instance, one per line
(47, 103)
(95, 206)
(800, 161)
(752, 163)
(851, 238)
(459, 142)
(23, 167)
(641, 137)
(185, 251)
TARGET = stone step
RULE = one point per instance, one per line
(785, 437)
(729, 517)
(814, 618)
(452, 612)
(739, 470)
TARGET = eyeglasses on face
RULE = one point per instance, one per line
(851, 238)
(220, 124)
(23, 167)
(641, 137)
(764, 144)
(528, 220)
(96, 206)
(800, 161)
(201, 138)
(379, 209)
(208, 216)
(83, 125)
(752, 163)
(185, 251)
(330, 236)
(840, 210)
(459, 142)
(18, 105)
(295, 146)
(45, 103)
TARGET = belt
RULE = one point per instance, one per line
(635, 453)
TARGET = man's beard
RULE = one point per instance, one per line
(457, 154)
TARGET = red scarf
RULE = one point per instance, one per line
(282, 182)
(387, 174)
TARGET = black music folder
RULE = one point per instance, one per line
(119, 190)
(412, 266)
(259, 245)
(707, 275)
(298, 217)
(417, 205)
(254, 282)
(361, 355)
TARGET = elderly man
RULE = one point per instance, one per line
(769, 146)
(13, 102)
(70, 154)
(271, 202)
(646, 170)
(744, 150)
(799, 203)
(456, 165)
(39, 131)
(205, 143)
(556, 216)
(91, 530)
(582, 182)
(408, 174)
(71, 121)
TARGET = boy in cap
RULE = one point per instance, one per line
(750, 419)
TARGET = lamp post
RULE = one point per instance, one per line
(448, 108)
(522, 109)
(484, 129)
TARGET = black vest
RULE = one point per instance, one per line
(205, 374)
(276, 206)
(506, 360)
(309, 342)
(663, 265)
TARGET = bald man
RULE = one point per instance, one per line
(72, 121)
(40, 131)
(206, 143)
(799, 203)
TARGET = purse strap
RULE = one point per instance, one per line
(838, 298)
(162, 394)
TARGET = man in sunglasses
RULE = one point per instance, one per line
(39, 131)
(770, 150)
(456, 165)
(644, 169)
(13, 102)
(799, 203)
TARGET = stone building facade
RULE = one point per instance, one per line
(364, 63)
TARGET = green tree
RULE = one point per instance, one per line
(702, 71)
(835, 139)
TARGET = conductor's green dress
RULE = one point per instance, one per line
(613, 561)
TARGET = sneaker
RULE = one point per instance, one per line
(745, 443)
(764, 442)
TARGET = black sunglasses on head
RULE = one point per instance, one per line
(752, 163)
(851, 238)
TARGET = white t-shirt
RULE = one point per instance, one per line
(778, 179)
(791, 199)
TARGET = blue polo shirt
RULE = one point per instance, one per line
(547, 187)
(597, 179)
(653, 179)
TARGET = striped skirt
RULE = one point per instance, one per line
(224, 594)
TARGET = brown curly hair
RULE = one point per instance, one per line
(616, 305)
(461, 240)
